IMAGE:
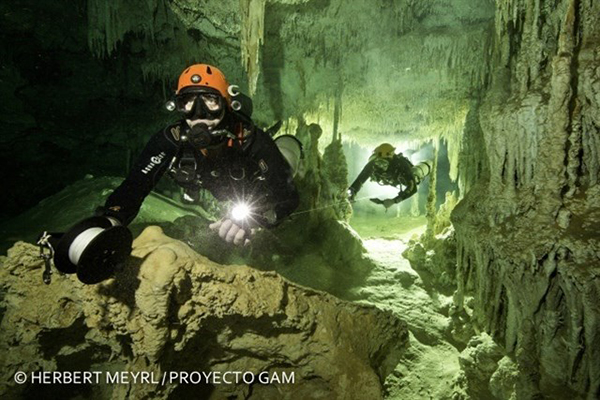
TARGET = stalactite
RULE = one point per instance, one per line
(453, 135)
(552, 168)
(591, 152)
(473, 156)
(335, 169)
(589, 87)
(574, 150)
(414, 205)
(252, 37)
(337, 111)
(109, 21)
(167, 45)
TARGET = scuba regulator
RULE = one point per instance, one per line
(201, 137)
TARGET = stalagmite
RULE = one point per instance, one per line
(431, 208)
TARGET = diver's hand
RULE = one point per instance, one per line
(230, 232)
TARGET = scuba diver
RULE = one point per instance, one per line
(215, 146)
(387, 168)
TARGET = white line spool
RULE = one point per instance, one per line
(81, 242)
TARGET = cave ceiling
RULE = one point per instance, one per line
(407, 68)
(398, 70)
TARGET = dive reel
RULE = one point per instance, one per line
(91, 249)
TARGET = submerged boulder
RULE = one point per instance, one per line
(171, 312)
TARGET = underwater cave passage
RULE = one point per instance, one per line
(388, 199)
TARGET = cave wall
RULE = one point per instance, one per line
(528, 249)
(59, 102)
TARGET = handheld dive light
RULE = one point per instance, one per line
(240, 212)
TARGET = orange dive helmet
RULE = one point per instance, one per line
(202, 78)
(202, 93)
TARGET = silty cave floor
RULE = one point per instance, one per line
(431, 363)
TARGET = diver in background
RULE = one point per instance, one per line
(215, 148)
(387, 168)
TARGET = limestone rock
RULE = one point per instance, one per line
(435, 259)
(527, 250)
(478, 361)
(170, 309)
(503, 381)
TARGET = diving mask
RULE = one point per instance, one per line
(201, 105)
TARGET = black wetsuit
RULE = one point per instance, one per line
(394, 171)
(249, 168)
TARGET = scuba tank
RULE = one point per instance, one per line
(421, 170)
(291, 149)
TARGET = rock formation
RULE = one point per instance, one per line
(528, 246)
(510, 87)
(170, 309)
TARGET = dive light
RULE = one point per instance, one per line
(240, 212)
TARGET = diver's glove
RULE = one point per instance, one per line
(244, 220)
(233, 232)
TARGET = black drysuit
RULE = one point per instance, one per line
(250, 168)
